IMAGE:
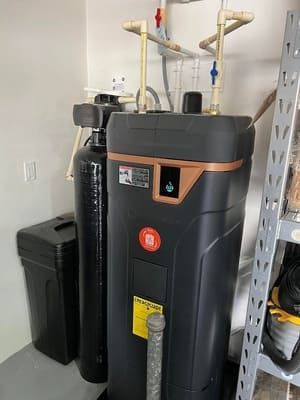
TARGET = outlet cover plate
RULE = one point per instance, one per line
(30, 171)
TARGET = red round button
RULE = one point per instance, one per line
(150, 239)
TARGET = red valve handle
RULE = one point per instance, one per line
(158, 18)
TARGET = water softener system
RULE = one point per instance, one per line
(91, 221)
(177, 185)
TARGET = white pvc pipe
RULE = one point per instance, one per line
(224, 4)
(178, 85)
(130, 26)
(241, 18)
(188, 52)
(163, 3)
(143, 71)
(141, 28)
(204, 44)
(211, 50)
(126, 100)
(172, 46)
(196, 73)
(70, 171)
(227, 15)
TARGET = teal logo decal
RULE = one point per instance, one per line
(170, 187)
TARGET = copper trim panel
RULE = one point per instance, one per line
(190, 171)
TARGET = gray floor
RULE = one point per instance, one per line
(29, 375)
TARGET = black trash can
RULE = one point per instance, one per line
(49, 255)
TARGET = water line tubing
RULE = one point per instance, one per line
(131, 26)
(126, 100)
(241, 18)
(141, 27)
(149, 89)
(166, 82)
(163, 4)
(216, 87)
(196, 74)
(178, 85)
(224, 4)
(122, 100)
(205, 44)
(142, 108)
(161, 31)
(70, 171)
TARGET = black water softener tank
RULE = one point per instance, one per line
(177, 186)
(91, 223)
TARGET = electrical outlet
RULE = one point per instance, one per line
(30, 171)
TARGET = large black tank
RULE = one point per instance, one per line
(91, 222)
(177, 186)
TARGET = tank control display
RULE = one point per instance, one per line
(169, 182)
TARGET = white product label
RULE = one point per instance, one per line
(139, 177)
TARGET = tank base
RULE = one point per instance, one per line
(228, 392)
(230, 383)
(104, 397)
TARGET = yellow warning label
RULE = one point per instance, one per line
(141, 310)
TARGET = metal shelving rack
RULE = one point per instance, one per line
(274, 228)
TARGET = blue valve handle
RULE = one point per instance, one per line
(214, 73)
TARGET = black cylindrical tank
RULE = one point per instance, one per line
(177, 186)
(91, 220)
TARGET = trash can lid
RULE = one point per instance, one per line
(52, 241)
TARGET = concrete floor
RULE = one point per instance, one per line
(270, 388)
(29, 375)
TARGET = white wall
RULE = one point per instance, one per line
(252, 66)
(42, 73)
